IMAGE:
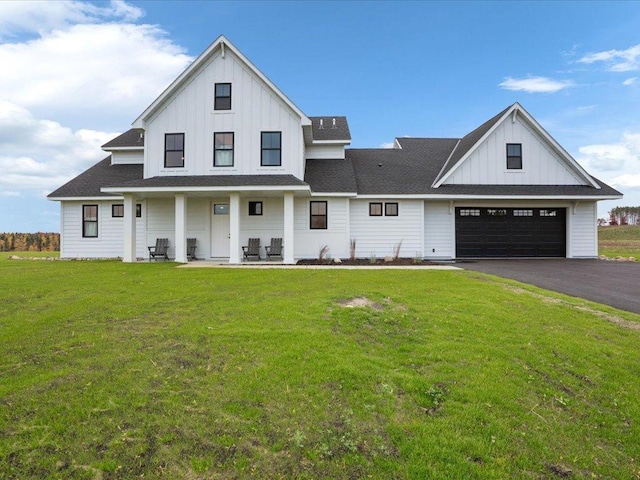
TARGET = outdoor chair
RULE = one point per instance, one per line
(252, 250)
(191, 249)
(159, 250)
(275, 249)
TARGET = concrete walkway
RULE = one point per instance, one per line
(266, 265)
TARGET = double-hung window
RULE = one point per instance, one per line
(223, 149)
(514, 156)
(223, 97)
(173, 150)
(318, 215)
(90, 221)
(271, 149)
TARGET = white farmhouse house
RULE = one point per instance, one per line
(222, 155)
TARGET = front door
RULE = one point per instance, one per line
(220, 230)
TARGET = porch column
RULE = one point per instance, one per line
(129, 220)
(234, 228)
(181, 228)
(287, 239)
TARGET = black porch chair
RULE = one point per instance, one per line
(159, 250)
(275, 249)
(252, 251)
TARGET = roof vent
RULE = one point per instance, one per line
(321, 125)
(333, 124)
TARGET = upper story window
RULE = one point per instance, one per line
(271, 149)
(223, 97)
(90, 221)
(173, 150)
(223, 149)
(514, 156)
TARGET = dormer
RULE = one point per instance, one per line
(126, 149)
(326, 137)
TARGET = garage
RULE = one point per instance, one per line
(510, 232)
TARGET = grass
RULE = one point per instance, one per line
(619, 241)
(112, 370)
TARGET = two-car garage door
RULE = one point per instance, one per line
(510, 232)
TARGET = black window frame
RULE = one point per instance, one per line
(389, 204)
(375, 204)
(121, 205)
(85, 221)
(221, 102)
(270, 149)
(233, 147)
(167, 150)
(313, 216)
(514, 162)
(138, 210)
(257, 209)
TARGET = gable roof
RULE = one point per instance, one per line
(221, 44)
(330, 129)
(470, 142)
(132, 138)
(89, 182)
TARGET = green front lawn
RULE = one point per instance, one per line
(112, 370)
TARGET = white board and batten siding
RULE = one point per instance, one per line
(439, 231)
(308, 242)
(378, 236)
(110, 240)
(255, 108)
(582, 227)
(487, 165)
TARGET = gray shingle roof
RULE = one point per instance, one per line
(328, 131)
(89, 182)
(328, 176)
(130, 138)
(212, 181)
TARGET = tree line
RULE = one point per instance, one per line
(29, 242)
(624, 216)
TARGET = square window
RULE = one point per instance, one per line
(117, 210)
(375, 209)
(271, 149)
(318, 218)
(222, 97)
(223, 149)
(173, 150)
(514, 156)
(255, 208)
(90, 221)
(391, 209)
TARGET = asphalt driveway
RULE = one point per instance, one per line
(613, 283)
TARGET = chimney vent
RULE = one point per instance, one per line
(321, 125)
(333, 124)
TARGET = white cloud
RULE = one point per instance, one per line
(387, 145)
(44, 16)
(616, 160)
(9, 193)
(535, 84)
(630, 81)
(628, 180)
(617, 60)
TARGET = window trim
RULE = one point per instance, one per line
(167, 150)
(325, 215)
(221, 97)
(514, 157)
(386, 212)
(263, 149)
(85, 221)
(372, 204)
(255, 212)
(233, 149)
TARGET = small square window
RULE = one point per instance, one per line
(375, 209)
(117, 210)
(255, 208)
(514, 156)
(223, 97)
(391, 209)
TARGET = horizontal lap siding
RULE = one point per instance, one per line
(266, 226)
(583, 230)
(438, 231)
(377, 236)
(309, 242)
(161, 221)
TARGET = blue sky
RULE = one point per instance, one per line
(75, 74)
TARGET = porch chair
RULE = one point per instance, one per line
(275, 249)
(191, 249)
(159, 250)
(252, 250)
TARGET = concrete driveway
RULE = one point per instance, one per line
(613, 283)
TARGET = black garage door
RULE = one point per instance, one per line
(510, 232)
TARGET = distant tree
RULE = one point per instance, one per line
(613, 220)
(602, 222)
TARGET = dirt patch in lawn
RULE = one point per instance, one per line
(361, 302)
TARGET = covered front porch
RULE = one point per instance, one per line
(220, 219)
